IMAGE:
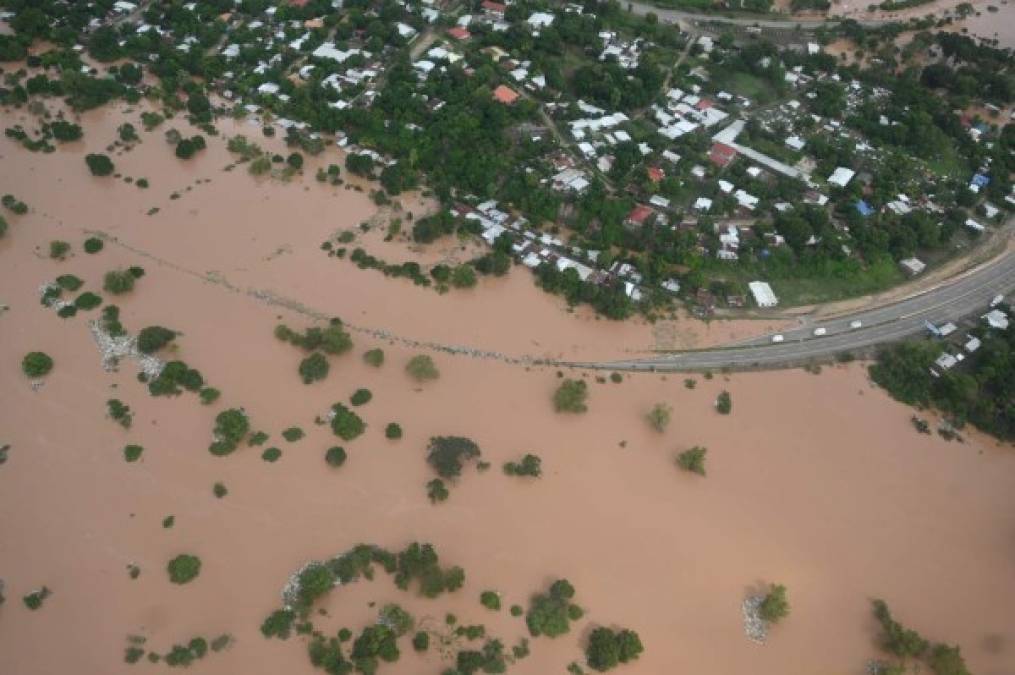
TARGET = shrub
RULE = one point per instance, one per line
(517, 610)
(335, 456)
(436, 491)
(65, 131)
(69, 282)
(693, 460)
(346, 424)
(421, 641)
(447, 454)
(33, 600)
(332, 339)
(271, 455)
(153, 338)
(606, 648)
(490, 600)
(132, 453)
(184, 568)
(463, 276)
(295, 160)
(374, 357)
(293, 434)
(120, 412)
(550, 613)
(724, 403)
(531, 465)
(36, 364)
(209, 395)
(3, 227)
(361, 397)
(230, 428)
(616, 378)
(118, 282)
(421, 368)
(571, 396)
(99, 165)
(258, 438)
(313, 368)
(393, 431)
(93, 245)
(142, 183)
(58, 250)
(168, 522)
(278, 624)
(775, 606)
(87, 301)
(67, 311)
(895, 637)
(659, 417)
(219, 490)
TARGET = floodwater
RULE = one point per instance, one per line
(815, 481)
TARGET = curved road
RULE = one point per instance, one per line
(962, 296)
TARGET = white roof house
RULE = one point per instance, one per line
(841, 176)
(540, 20)
(974, 226)
(912, 266)
(268, 88)
(763, 294)
(702, 204)
(995, 318)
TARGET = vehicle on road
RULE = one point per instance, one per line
(997, 300)
(818, 332)
(856, 323)
(778, 338)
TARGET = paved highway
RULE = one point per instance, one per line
(679, 16)
(964, 295)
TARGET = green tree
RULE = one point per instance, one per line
(36, 364)
(153, 338)
(693, 460)
(724, 403)
(659, 417)
(118, 282)
(421, 368)
(374, 357)
(775, 606)
(99, 164)
(184, 568)
(313, 368)
(447, 454)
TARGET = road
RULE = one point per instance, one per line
(679, 16)
(965, 295)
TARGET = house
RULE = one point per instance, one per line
(864, 209)
(494, 8)
(655, 174)
(722, 155)
(639, 215)
(912, 266)
(459, 33)
(763, 294)
(972, 344)
(974, 226)
(702, 204)
(995, 318)
(504, 94)
(540, 20)
(795, 142)
(841, 176)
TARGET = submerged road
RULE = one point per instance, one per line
(964, 295)
(667, 15)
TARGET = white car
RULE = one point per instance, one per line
(856, 323)
(778, 338)
(818, 332)
(998, 299)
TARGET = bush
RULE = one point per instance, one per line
(65, 131)
(58, 250)
(120, 412)
(33, 600)
(271, 455)
(346, 424)
(184, 568)
(463, 276)
(209, 395)
(374, 357)
(69, 282)
(36, 364)
(99, 165)
(257, 438)
(531, 465)
(118, 282)
(550, 612)
(436, 491)
(421, 641)
(3, 227)
(571, 396)
(93, 245)
(295, 160)
(775, 606)
(421, 368)
(293, 434)
(447, 454)
(693, 460)
(313, 368)
(724, 403)
(659, 417)
(87, 301)
(219, 490)
(335, 456)
(517, 610)
(230, 428)
(490, 600)
(15, 205)
(393, 431)
(361, 397)
(607, 649)
(132, 453)
(153, 338)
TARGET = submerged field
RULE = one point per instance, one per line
(817, 482)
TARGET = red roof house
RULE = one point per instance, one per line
(459, 33)
(505, 95)
(655, 174)
(494, 7)
(722, 154)
(639, 214)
